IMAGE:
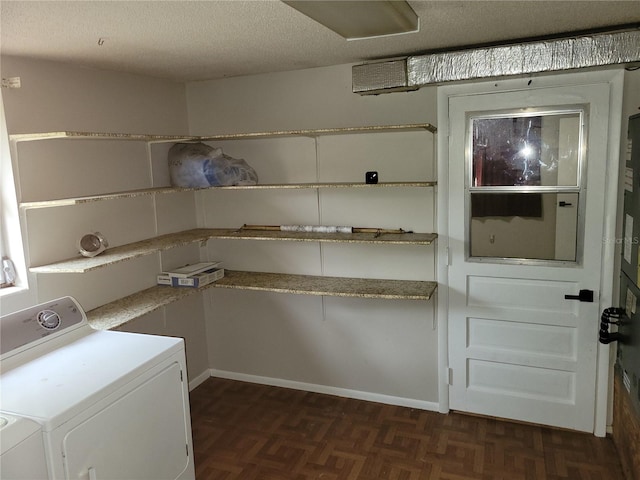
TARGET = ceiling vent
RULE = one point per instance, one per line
(381, 77)
(411, 73)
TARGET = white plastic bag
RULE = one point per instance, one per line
(197, 165)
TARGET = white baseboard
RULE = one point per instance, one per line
(340, 392)
(194, 382)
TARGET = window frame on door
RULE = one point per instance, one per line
(581, 176)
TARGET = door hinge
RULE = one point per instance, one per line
(448, 254)
(450, 375)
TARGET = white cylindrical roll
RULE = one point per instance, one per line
(316, 228)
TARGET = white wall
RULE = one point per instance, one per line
(313, 98)
(377, 349)
(58, 97)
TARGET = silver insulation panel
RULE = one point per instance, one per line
(518, 59)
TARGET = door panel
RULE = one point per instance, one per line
(518, 348)
(497, 339)
(524, 294)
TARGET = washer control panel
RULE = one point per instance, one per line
(39, 323)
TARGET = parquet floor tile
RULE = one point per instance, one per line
(244, 431)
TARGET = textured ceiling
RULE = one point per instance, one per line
(197, 40)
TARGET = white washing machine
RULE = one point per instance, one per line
(21, 449)
(109, 405)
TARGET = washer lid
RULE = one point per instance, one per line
(14, 430)
(58, 385)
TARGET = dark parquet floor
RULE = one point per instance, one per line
(255, 432)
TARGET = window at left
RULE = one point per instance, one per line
(13, 269)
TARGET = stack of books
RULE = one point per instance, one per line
(195, 275)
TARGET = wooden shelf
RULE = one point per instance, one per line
(164, 242)
(125, 310)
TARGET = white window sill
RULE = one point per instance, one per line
(8, 291)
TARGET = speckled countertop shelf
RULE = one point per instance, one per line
(297, 186)
(75, 135)
(29, 137)
(125, 310)
(130, 251)
(384, 238)
(331, 286)
(64, 202)
(124, 252)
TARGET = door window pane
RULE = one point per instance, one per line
(524, 225)
(531, 151)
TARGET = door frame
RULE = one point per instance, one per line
(610, 251)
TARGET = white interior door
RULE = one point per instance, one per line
(518, 348)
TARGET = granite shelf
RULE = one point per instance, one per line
(71, 135)
(125, 310)
(120, 312)
(63, 202)
(164, 242)
(321, 132)
(280, 186)
(329, 286)
(74, 135)
(124, 252)
(408, 238)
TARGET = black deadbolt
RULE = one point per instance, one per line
(583, 296)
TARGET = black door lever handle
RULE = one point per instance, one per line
(583, 296)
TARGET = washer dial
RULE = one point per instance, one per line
(48, 319)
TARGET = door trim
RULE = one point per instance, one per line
(610, 249)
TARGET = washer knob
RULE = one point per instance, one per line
(48, 319)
